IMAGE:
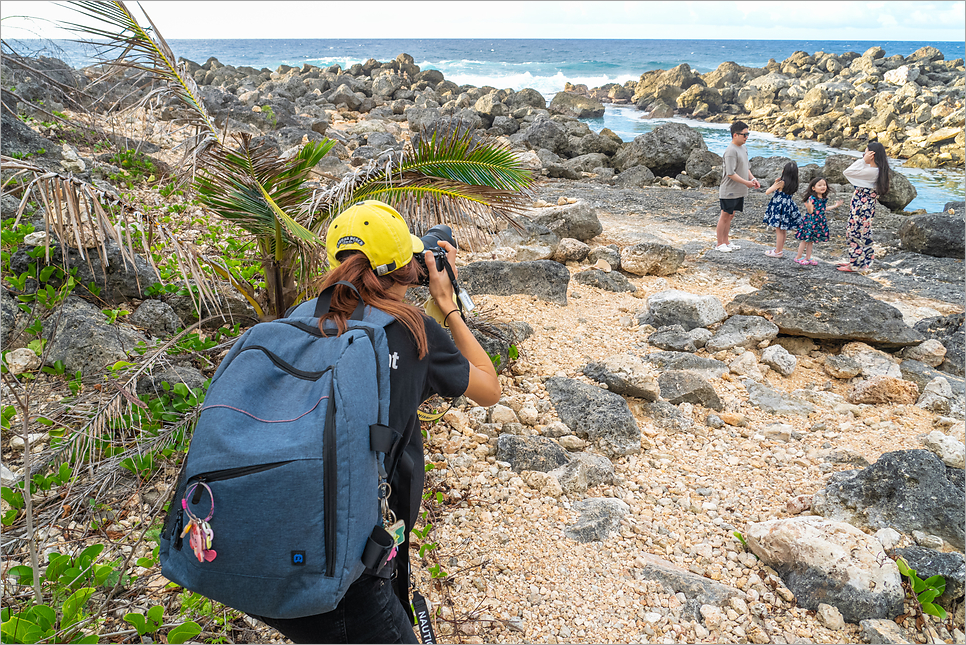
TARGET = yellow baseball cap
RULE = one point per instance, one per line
(376, 229)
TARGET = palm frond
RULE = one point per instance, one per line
(452, 177)
(123, 43)
(256, 190)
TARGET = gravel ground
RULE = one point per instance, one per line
(521, 580)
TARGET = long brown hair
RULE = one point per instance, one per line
(882, 163)
(355, 269)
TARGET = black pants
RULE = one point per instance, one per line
(369, 613)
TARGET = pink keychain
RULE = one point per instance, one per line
(201, 532)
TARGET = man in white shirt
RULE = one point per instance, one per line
(734, 186)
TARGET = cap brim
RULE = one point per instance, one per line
(417, 244)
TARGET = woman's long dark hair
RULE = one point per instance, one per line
(790, 178)
(355, 269)
(882, 163)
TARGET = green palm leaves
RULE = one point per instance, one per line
(450, 176)
(446, 176)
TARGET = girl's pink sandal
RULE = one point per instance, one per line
(802, 261)
(813, 262)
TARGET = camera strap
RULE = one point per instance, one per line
(463, 301)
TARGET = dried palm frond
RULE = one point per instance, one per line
(82, 216)
(123, 43)
(451, 177)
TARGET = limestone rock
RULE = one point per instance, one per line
(840, 366)
(742, 331)
(674, 307)
(601, 416)
(625, 374)
(688, 387)
(530, 453)
(577, 220)
(949, 449)
(576, 106)
(651, 258)
(608, 281)
(665, 149)
(826, 311)
(931, 352)
(934, 234)
(884, 389)
(906, 490)
(778, 358)
(544, 279)
(707, 367)
(834, 563)
(22, 360)
(599, 519)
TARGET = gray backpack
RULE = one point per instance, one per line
(281, 503)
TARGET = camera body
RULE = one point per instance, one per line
(431, 241)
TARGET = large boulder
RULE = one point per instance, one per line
(527, 97)
(651, 258)
(578, 220)
(934, 234)
(828, 562)
(908, 490)
(826, 311)
(665, 149)
(79, 336)
(951, 332)
(599, 416)
(544, 133)
(767, 169)
(576, 106)
(544, 279)
(673, 307)
(705, 166)
(901, 192)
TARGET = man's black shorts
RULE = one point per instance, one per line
(731, 205)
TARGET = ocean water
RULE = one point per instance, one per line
(548, 64)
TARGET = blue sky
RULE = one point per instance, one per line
(806, 20)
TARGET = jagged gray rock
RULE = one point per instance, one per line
(530, 453)
(544, 279)
(906, 490)
(826, 311)
(599, 416)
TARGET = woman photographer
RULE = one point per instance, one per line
(369, 245)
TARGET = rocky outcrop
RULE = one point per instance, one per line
(934, 234)
(827, 311)
(912, 104)
(909, 490)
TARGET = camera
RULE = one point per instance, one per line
(431, 240)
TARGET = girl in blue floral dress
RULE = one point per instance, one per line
(814, 226)
(782, 213)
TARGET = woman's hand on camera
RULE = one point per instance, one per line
(440, 286)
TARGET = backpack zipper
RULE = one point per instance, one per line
(331, 483)
(228, 473)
